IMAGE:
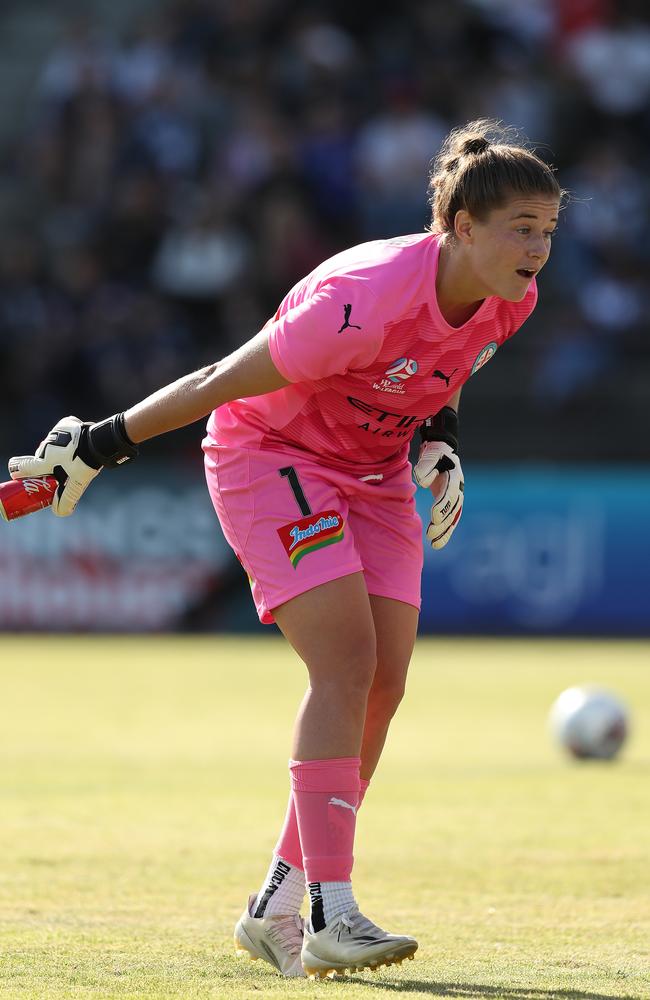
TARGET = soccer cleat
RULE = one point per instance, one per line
(351, 941)
(276, 939)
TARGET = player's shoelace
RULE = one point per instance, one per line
(359, 924)
(287, 933)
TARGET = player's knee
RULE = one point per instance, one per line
(352, 671)
(360, 667)
(361, 677)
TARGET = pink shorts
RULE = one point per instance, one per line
(294, 525)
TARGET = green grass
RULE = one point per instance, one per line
(143, 782)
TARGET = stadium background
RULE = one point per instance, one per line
(169, 169)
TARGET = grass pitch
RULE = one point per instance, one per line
(143, 782)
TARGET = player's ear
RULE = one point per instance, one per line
(464, 226)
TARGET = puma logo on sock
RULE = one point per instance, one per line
(341, 802)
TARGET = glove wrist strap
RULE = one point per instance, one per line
(107, 443)
(443, 426)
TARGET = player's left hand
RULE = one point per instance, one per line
(438, 468)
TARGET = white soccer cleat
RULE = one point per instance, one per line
(351, 941)
(276, 939)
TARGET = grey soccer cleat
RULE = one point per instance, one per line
(276, 939)
(351, 941)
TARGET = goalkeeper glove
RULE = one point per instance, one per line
(438, 458)
(74, 453)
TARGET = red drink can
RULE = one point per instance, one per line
(23, 496)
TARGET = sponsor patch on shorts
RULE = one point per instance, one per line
(306, 534)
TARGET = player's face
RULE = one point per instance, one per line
(512, 245)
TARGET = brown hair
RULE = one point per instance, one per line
(479, 167)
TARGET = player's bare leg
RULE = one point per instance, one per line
(332, 629)
(396, 626)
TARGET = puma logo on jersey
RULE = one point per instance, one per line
(445, 378)
(347, 309)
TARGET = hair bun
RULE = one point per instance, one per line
(475, 146)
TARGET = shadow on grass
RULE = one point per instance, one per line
(471, 990)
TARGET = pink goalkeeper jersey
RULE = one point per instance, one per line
(369, 356)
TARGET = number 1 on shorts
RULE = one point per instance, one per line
(290, 473)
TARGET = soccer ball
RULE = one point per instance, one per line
(589, 723)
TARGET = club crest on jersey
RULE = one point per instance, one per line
(397, 373)
(307, 534)
(484, 356)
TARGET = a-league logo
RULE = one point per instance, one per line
(401, 369)
(396, 374)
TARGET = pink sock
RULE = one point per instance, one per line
(288, 847)
(326, 797)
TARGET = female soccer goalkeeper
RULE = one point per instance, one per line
(306, 458)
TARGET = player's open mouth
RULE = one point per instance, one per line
(526, 272)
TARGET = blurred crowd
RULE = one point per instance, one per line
(175, 179)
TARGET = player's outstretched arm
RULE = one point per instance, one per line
(76, 451)
(248, 371)
(438, 469)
